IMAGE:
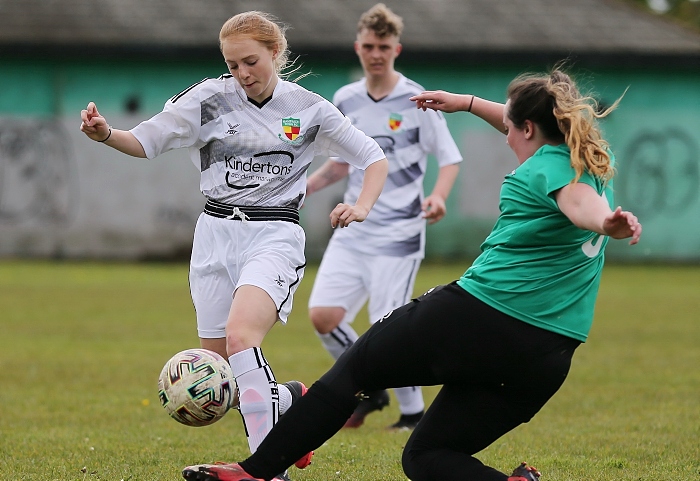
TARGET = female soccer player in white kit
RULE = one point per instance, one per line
(252, 135)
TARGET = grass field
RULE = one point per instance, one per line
(81, 346)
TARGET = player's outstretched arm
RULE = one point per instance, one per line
(96, 128)
(588, 210)
(491, 112)
(443, 101)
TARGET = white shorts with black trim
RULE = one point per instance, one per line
(347, 278)
(229, 253)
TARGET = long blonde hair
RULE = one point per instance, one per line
(554, 103)
(263, 27)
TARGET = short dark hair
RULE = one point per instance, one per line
(382, 21)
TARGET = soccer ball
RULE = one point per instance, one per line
(196, 387)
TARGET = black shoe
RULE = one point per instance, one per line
(524, 473)
(296, 388)
(407, 422)
(372, 401)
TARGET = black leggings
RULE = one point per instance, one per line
(496, 372)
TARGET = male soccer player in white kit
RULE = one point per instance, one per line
(379, 258)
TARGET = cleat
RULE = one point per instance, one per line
(282, 477)
(298, 389)
(407, 422)
(373, 401)
(524, 473)
(217, 472)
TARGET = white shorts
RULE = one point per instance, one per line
(227, 254)
(347, 278)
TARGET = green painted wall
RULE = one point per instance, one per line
(654, 132)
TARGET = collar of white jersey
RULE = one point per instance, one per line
(281, 87)
(400, 89)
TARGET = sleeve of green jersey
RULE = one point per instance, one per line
(551, 174)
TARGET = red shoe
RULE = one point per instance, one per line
(524, 473)
(217, 472)
(298, 389)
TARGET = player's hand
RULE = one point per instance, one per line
(622, 224)
(93, 124)
(434, 208)
(441, 100)
(344, 214)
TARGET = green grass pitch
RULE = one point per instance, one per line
(82, 344)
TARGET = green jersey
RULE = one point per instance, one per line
(536, 265)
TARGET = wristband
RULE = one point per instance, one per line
(110, 134)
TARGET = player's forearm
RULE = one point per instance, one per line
(124, 141)
(491, 112)
(445, 181)
(372, 184)
(329, 173)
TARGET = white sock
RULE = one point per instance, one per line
(339, 339)
(258, 394)
(410, 399)
(285, 398)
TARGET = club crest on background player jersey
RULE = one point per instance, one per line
(395, 122)
(291, 127)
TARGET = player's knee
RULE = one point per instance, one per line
(408, 464)
(236, 343)
(325, 319)
(416, 464)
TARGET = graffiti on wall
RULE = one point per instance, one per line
(661, 173)
(38, 181)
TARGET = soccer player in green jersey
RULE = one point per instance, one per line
(501, 338)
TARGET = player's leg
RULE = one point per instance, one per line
(498, 373)
(324, 409)
(252, 315)
(310, 422)
(338, 293)
(216, 307)
(342, 285)
(272, 266)
(391, 285)
(333, 328)
(466, 418)
(453, 339)
(461, 418)
(211, 288)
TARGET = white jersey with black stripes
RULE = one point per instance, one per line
(395, 226)
(252, 154)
